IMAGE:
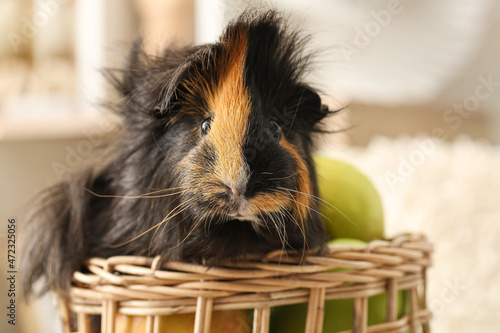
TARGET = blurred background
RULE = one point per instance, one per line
(420, 79)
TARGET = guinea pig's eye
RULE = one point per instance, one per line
(275, 130)
(205, 126)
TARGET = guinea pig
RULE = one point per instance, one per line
(214, 163)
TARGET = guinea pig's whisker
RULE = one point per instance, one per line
(182, 207)
(173, 226)
(194, 227)
(292, 217)
(293, 175)
(152, 238)
(281, 234)
(281, 237)
(266, 225)
(168, 217)
(164, 222)
(321, 201)
(165, 189)
(220, 219)
(316, 198)
(308, 207)
(308, 194)
(278, 229)
(142, 196)
(281, 218)
(301, 226)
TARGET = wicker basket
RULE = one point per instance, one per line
(141, 286)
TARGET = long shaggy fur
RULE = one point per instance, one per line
(159, 176)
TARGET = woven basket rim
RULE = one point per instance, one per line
(146, 286)
(397, 257)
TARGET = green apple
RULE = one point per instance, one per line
(352, 207)
(346, 241)
(338, 313)
(229, 321)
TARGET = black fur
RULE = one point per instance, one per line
(161, 126)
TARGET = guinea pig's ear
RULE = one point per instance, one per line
(310, 108)
(148, 83)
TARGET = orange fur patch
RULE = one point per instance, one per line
(304, 186)
(270, 202)
(230, 106)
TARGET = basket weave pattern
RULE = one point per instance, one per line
(143, 287)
